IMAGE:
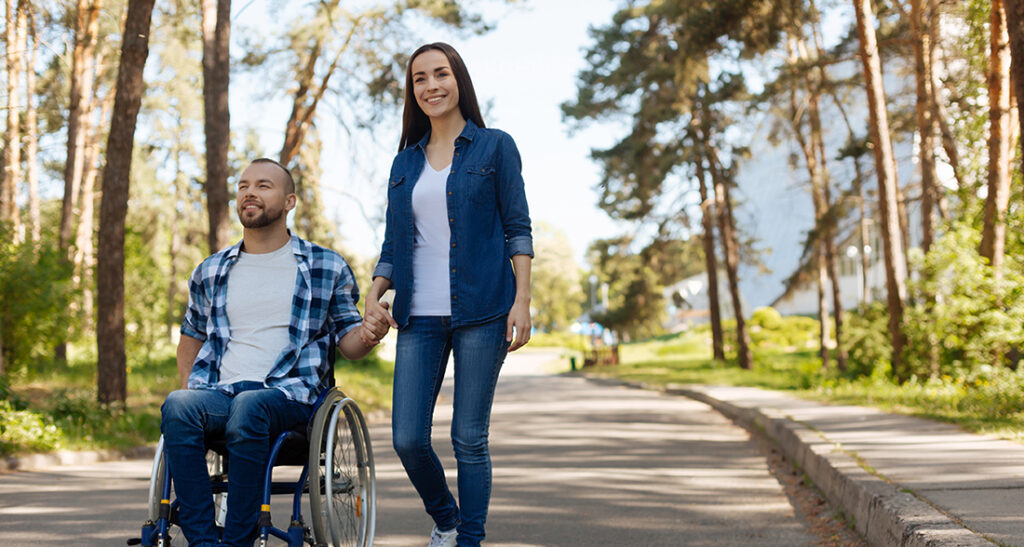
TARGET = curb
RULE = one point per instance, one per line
(880, 511)
(25, 462)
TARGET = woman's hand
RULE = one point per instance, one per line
(518, 320)
(376, 322)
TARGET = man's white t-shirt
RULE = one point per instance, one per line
(431, 292)
(259, 308)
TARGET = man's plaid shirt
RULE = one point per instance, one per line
(323, 310)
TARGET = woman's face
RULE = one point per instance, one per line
(434, 85)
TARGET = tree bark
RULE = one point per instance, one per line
(217, 125)
(82, 80)
(32, 127)
(885, 166)
(993, 235)
(710, 263)
(85, 255)
(730, 247)
(12, 135)
(920, 24)
(111, 375)
(1015, 25)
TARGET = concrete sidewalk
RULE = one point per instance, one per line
(901, 480)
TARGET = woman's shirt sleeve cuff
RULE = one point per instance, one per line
(518, 245)
(384, 270)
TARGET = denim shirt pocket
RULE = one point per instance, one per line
(480, 184)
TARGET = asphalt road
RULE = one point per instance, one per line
(576, 463)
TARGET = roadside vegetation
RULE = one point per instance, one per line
(53, 405)
(980, 398)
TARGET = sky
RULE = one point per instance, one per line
(524, 69)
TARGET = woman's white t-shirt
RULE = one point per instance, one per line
(431, 292)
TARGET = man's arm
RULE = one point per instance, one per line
(352, 346)
(188, 349)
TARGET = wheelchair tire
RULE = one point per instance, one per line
(214, 465)
(341, 475)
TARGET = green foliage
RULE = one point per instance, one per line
(35, 288)
(866, 340)
(558, 339)
(769, 330)
(962, 317)
(982, 398)
(557, 294)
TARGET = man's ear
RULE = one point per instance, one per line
(290, 202)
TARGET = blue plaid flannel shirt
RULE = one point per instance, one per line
(323, 310)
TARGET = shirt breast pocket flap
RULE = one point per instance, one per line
(480, 184)
(396, 181)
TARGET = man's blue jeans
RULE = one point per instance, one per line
(249, 421)
(420, 361)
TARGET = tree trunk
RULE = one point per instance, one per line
(1015, 18)
(730, 247)
(885, 167)
(12, 134)
(111, 375)
(85, 255)
(710, 263)
(217, 125)
(920, 24)
(32, 127)
(174, 246)
(993, 235)
(83, 75)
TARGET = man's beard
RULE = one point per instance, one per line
(264, 219)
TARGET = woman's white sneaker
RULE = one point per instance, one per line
(443, 539)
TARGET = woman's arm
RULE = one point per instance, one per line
(519, 315)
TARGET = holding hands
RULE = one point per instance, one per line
(376, 322)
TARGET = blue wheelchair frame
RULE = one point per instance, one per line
(293, 448)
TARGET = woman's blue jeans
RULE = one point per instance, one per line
(420, 361)
(249, 421)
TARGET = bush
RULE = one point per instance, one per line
(866, 340)
(35, 289)
(962, 317)
(25, 430)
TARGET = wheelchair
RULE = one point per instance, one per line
(337, 472)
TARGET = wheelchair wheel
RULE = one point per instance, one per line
(341, 474)
(214, 465)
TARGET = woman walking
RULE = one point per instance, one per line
(457, 251)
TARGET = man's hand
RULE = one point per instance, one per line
(376, 322)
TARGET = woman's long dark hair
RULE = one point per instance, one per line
(415, 122)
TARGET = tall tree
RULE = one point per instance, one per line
(707, 215)
(14, 38)
(216, 78)
(1015, 27)
(922, 18)
(32, 124)
(83, 72)
(993, 235)
(885, 168)
(723, 179)
(111, 375)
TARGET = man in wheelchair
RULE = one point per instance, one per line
(262, 315)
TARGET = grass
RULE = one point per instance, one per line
(53, 405)
(982, 400)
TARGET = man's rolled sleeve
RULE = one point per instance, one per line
(344, 312)
(194, 322)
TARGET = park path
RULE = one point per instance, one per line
(576, 463)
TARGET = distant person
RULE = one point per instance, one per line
(261, 318)
(457, 250)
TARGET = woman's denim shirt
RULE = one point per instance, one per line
(488, 217)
